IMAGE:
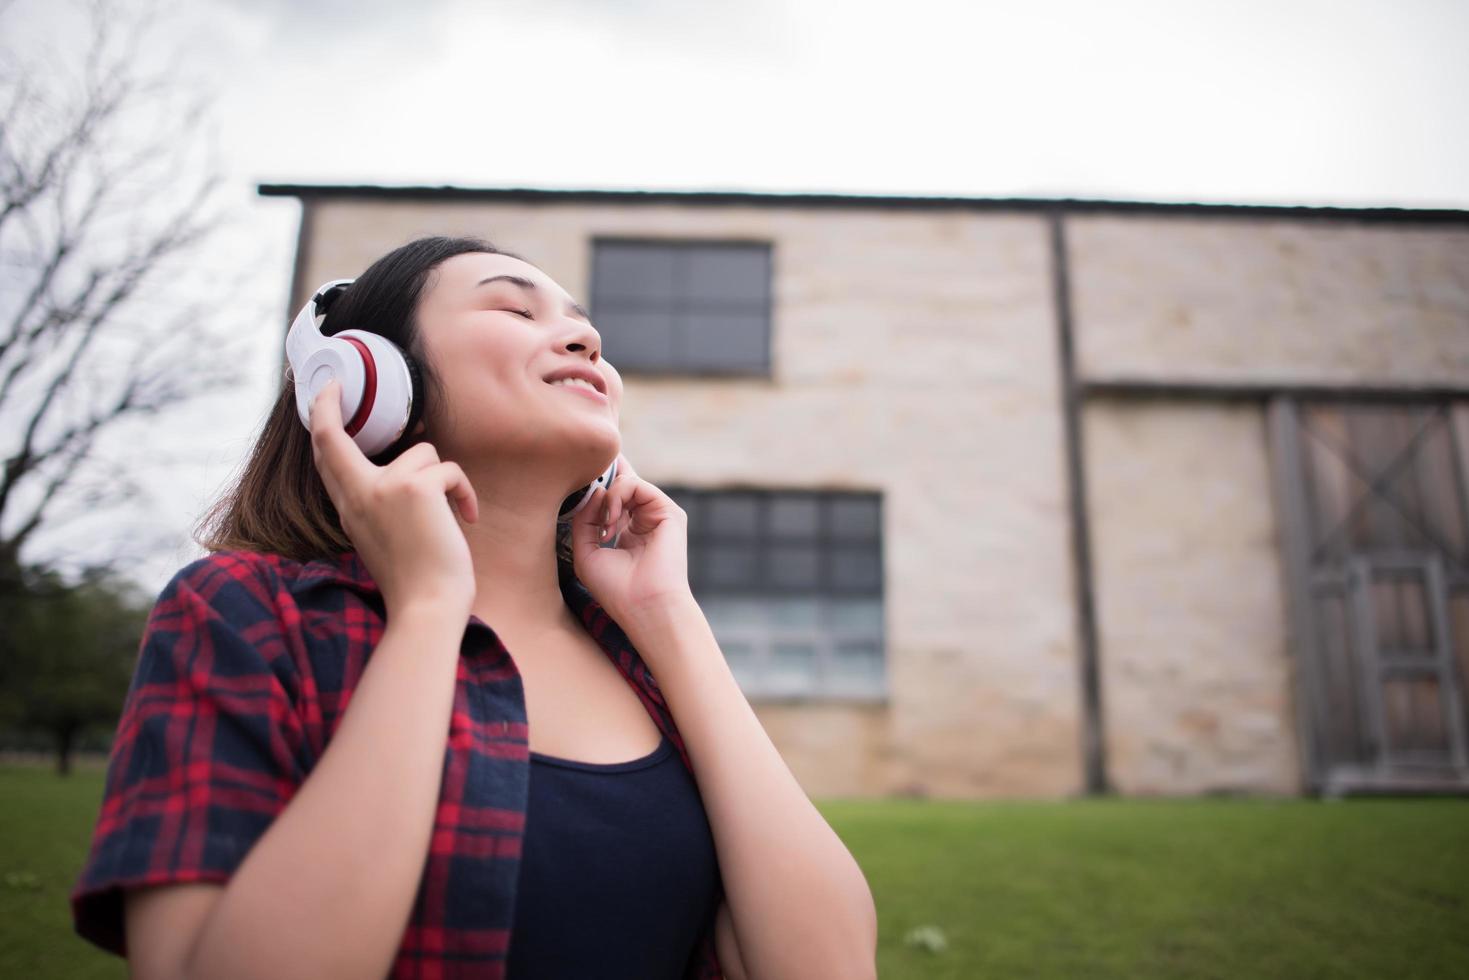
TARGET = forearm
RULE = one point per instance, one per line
(800, 904)
(327, 890)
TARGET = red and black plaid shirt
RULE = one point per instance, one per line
(244, 672)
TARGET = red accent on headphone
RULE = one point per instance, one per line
(369, 387)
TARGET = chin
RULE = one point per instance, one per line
(596, 448)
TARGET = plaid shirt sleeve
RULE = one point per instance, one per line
(209, 747)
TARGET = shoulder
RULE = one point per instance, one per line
(249, 595)
(219, 567)
(261, 578)
(236, 586)
(223, 593)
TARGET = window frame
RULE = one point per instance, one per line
(598, 305)
(825, 637)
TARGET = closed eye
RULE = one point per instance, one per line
(524, 313)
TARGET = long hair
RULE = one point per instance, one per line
(278, 503)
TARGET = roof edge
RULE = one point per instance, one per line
(828, 200)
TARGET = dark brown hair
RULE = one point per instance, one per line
(278, 503)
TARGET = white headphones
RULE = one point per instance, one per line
(381, 386)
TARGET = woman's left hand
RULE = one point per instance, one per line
(650, 565)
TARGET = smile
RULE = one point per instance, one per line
(580, 386)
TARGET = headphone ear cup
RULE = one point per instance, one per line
(415, 408)
(388, 402)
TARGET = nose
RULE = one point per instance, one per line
(580, 335)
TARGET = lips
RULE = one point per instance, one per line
(594, 378)
(579, 389)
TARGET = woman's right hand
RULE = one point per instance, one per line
(398, 516)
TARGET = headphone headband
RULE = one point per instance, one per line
(327, 296)
(305, 336)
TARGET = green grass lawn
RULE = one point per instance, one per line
(1168, 888)
(1108, 888)
(45, 829)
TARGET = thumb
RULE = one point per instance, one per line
(586, 530)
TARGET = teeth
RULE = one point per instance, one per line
(581, 382)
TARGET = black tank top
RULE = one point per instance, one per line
(618, 871)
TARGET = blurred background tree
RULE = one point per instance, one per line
(67, 653)
(109, 190)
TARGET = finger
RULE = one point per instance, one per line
(610, 504)
(451, 479)
(418, 456)
(645, 506)
(335, 449)
(621, 497)
(623, 468)
(319, 420)
(623, 486)
(586, 528)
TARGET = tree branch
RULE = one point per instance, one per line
(48, 497)
(93, 218)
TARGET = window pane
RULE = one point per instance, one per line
(732, 515)
(794, 515)
(855, 668)
(631, 273)
(637, 340)
(795, 566)
(743, 662)
(721, 275)
(723, 341)
(730, 566)
(689, 501)
(804, 630)
(857, 615)
(854, 517)
(795, 613)
(792, 668)
(733, 612)
(855, 569)
(704, 306)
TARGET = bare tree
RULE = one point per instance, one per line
(107, 192)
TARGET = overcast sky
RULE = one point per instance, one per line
(1336, 102)
(1349, 102)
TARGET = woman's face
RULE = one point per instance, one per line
(494, 329)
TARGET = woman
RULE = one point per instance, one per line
(281, 798)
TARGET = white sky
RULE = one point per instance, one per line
(1348, 102)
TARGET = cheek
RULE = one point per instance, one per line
(482, 359)
(479, 379)
(614, 383)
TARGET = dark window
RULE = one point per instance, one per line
(792, 584)
(666, 307)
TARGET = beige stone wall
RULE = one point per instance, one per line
(914, 354)
(1266, 299)
(1197, 678)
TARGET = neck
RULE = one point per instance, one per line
(513, 547)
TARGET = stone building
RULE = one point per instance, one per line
(1036, 498)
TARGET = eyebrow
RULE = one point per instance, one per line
(525, 283)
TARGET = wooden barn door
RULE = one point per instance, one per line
(1375, 527)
